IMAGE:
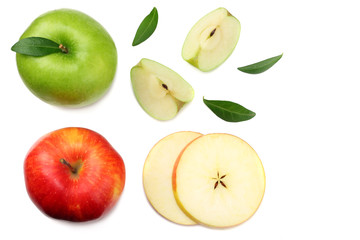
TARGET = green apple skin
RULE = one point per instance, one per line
(77, 78)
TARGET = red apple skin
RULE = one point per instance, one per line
(82, 196)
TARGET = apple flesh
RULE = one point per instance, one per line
(211, 40)
(157, 175)
(74, 174)
(160, 91)
(79, 77)
(218, 180)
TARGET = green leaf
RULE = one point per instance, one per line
(229, 111)
(260, 67)
(146, 28)
(36, 46)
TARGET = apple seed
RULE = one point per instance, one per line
(164, 86)
(212, 32)
(218, 180)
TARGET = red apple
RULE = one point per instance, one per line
(74, 174)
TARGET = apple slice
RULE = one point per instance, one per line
(157, 175)
(211, 40)
(218, 180)
(160, 91)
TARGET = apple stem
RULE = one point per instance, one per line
(72, 169)
(63, 48)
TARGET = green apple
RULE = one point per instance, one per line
(160, 91)
(211, 40)
(78, 77)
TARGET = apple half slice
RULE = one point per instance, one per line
(157, 175)
(211, 40)
(160, 91)
(218, 180)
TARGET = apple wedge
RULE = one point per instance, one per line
(157, 175)
(211, 40)
(160, 91)
(218, 180)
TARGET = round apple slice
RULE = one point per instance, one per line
(157, 175)
(218, 180)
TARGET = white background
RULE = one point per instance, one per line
(306, 130)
